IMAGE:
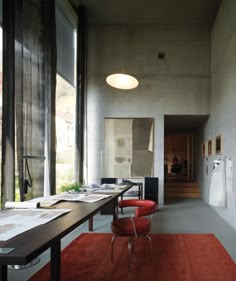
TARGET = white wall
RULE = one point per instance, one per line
(177, 85)
(223, 101)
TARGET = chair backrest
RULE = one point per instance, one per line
(108, 180)
(145, 207)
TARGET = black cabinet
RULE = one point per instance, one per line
(151, 188)
(108, 209)
(108, 180)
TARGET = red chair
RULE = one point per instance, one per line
(139, 224)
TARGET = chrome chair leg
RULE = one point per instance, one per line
(150, 246)
(112, 247)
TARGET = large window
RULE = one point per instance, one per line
(31, 112)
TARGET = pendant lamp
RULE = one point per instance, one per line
(122, 81)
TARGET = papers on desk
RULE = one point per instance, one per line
(16, 221)
(47, 201)
(101, 188)
(90, 198)
(110, 188)
(82, 197)
(19, 217)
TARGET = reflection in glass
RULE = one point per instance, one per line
(65, 131)
(128, 147)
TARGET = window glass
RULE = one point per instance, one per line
(65, 132)
(65, 94)
(65, 46)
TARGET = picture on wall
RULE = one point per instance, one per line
(218, 144)
(210, 147)
(128, 147)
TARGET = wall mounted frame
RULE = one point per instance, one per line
(209, 146)
(218, 144)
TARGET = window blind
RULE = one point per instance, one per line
(65, 47)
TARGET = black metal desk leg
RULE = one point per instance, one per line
(140, 187)
(114, 207)
(56, 261)
(3, 272)
(90, 224)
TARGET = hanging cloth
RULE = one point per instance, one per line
(217, 195)
(229, 175)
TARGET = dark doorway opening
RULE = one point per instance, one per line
(180, 156)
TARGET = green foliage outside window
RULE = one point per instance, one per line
(71, 187)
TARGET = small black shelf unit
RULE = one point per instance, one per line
(151, 188)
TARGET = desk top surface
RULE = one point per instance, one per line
(30, 244)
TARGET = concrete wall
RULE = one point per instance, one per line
(179, 84)
(223, 101)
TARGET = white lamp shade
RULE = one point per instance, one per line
(122, 81)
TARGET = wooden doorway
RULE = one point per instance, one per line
(179, 156)
(180, 181)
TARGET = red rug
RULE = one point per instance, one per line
(175, 257)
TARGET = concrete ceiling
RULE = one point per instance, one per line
(183, 123)
(150, 11)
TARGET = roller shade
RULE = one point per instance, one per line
(65, 47)
(1, 12)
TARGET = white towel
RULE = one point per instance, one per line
(217, 195)
(229, 175)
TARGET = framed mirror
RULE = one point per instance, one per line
(128, 147)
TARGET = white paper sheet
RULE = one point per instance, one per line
(22, 205)
(16, 221)
(82, 197)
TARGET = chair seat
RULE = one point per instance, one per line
(124, 226)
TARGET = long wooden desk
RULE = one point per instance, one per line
(32, 243)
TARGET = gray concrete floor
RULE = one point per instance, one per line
(182, 216)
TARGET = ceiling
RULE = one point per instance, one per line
(150, 11)
(183, 123)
